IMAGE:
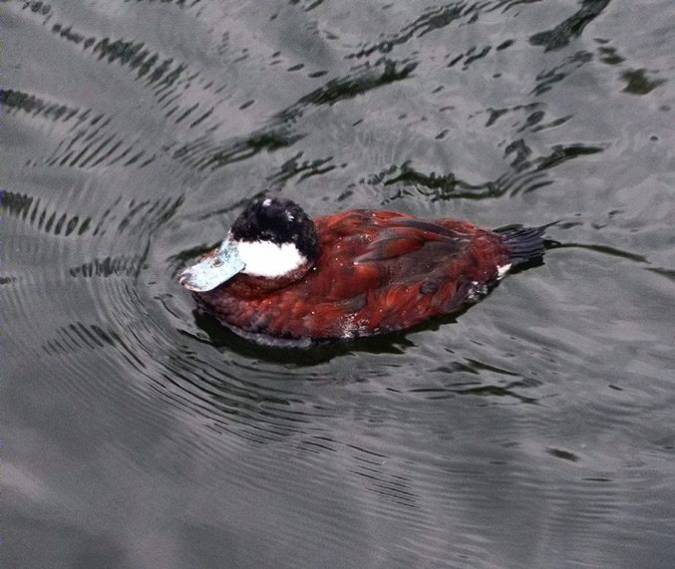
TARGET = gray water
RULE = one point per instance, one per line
(535, 430)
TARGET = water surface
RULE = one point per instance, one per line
(534, 430)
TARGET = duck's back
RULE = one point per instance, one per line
(377, 272)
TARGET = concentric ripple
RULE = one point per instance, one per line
(530, 431)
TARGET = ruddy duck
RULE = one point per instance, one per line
(278, 275)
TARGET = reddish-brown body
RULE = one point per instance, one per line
(378, 271)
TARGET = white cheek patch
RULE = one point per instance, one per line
(501, 271)
(267, 259)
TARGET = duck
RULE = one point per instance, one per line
(281, 277)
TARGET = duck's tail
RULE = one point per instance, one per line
(526, 244)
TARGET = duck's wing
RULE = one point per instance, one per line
(404, 236)
(398, 260)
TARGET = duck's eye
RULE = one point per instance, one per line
(218, 262)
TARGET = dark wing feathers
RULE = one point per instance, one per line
(385, 248)
(407, 236)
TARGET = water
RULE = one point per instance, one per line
(535, 430)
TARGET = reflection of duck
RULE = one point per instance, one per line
(280, 275)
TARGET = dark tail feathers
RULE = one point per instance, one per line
(526, 244)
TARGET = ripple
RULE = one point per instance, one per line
(42, 218)
(572, 27)
(136, 131)
(548, 79)
(637, 82)
(15, 101)
(434, 18)
(203, 154)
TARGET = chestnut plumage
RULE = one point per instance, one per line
(364, 272)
